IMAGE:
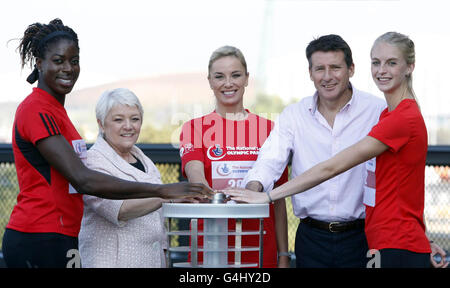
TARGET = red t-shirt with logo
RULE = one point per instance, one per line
(44, 203)
(228, 150)
(396, 218)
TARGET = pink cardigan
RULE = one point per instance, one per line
(104, 241)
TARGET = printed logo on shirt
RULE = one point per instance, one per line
(223, 169)
(79, 146)
(186, 148)
(50, 124)
(215, 154)
(225, 174)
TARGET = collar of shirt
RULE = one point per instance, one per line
(313, 105)
(44, 96)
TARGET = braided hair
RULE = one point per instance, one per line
(36, 39)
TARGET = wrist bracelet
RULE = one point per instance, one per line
(268, 195)
(284, 254)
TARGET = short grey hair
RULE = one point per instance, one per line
(111, 98)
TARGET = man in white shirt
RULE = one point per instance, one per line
(331, 230)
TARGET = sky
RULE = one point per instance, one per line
(137, 38)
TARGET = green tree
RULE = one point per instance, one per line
(152, 134)
(268, 106)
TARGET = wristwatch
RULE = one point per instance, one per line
(284, 254)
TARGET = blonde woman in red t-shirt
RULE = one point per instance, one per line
(230, 137)
(394, 189)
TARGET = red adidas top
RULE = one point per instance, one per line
(396, 220)
(228, 150)
(44, 203)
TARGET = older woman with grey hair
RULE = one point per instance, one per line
(121, 233)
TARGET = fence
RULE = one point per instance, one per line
(166, 158)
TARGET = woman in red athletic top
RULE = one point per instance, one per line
(219, 148)
(48, 152)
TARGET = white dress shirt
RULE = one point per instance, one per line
(303, 131)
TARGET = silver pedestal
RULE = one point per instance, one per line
(215, 249)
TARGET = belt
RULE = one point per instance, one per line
(334, 226)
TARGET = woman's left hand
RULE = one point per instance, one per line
(435, 249)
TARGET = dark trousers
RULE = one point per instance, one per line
(316, 248)
(399, 258)
(37, 250)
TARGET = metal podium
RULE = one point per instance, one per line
(215, 235)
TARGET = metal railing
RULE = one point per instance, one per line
(167, 159)
(167, 153)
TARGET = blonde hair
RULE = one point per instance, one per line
(227, 51)
(406, 47)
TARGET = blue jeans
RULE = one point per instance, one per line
(316, 248)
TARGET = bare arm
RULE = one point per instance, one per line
(133, 208)
(195, 172)
(60, 155)
(358, 153)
